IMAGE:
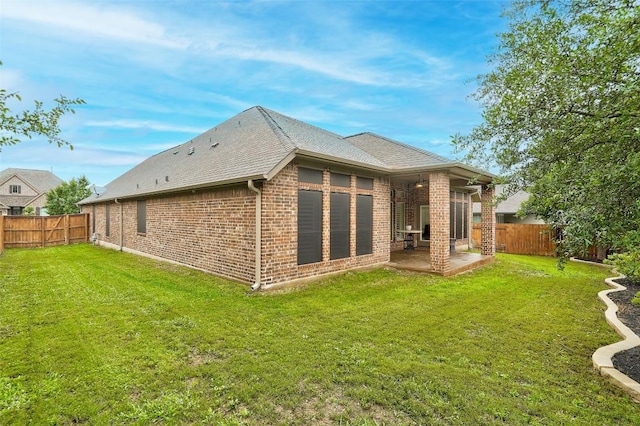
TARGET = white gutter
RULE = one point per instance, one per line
(121, 224)
(256, 285)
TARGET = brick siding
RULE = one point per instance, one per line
(214, 230)
(439, 200)
(211, 230)
(280, 227)
(488, 222)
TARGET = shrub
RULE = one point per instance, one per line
(627, 263)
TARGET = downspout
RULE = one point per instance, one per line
(256, 285)
(121, 224)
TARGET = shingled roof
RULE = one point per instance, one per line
(396, 155)
(39, 180)
(257, 144)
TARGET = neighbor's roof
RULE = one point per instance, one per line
(257, 144)
(18, 200)
(40, 180)
(509, 206)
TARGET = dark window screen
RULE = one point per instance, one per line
(107, 219)
(364, 183)
(142, 216)
(309, 227)
(364, 225)
(340, 180)
(340, 213)
(309, 175)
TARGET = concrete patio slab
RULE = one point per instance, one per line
(418, 260)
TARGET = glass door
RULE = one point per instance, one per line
(399, 220)
(425, 223)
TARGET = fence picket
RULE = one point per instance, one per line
(520, 239)
(31, 231)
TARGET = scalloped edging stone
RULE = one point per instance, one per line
(603, 357)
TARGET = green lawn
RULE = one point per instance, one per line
(89, 335)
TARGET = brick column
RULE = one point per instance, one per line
(352, 216)
(326, 216)
(439, 206)
(488, 222)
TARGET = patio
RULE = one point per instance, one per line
(419, 260)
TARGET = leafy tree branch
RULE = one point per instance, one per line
(14, 127)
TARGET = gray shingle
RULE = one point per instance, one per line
(396, 155)
(40, 180)
(252, 145)
(509, 206)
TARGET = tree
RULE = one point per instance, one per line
(38, 122)
(28, 211)
(561, 112)
(63, 198)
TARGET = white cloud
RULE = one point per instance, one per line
(91, 19)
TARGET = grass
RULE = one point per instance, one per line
(89, 335)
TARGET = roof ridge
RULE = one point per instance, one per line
(303, 123)
(282, 136)
(414, 148)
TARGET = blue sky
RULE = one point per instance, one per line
(155, 74)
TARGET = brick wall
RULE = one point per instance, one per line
(439, 205)
(488, 221)
(280, 226)
(214, 230)
(211, 230)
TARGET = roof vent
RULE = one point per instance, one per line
(191, 150)
(213, 145)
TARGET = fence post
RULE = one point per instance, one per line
(42, 238)
(67, 220)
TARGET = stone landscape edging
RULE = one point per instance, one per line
(603, 357)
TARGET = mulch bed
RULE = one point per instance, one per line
(628, 362)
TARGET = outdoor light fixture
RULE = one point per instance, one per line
(420, 183)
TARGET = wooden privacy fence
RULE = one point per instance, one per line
(519, 238)
(43, 231)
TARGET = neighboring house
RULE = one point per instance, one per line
(20, 188)
(266, 199)
(506, 210)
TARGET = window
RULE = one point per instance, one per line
(340, 180)
(364, 224)
(459, 215)
(425, 223)
(364, 183)
(340, 231)
(15, 189)
(309, 227)
(107, 220)
(142, 217)
(400, 221)
(309, 175)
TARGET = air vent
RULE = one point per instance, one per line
(191, 150)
